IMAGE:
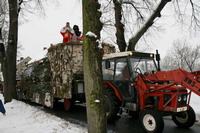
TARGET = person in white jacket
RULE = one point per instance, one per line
(67, 33)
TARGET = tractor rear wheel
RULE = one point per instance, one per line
(134, 114)
(184, 119)
(152, 121)
(111, 105)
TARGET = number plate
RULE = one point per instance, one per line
(181, 109)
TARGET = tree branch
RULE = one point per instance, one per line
(133, 41)
(136, 9)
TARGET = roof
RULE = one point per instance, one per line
(128, 53)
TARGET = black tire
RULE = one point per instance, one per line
(152, 121)
(111, 105)
(134, 114)
(185, 119)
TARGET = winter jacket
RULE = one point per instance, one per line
(67, 34)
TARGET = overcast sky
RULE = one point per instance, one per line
(40, 32)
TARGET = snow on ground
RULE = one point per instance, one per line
(23, 118)
(195, 103)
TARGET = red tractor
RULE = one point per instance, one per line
(134, 83)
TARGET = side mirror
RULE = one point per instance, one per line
(107, 63)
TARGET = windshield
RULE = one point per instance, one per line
(143, 65)
(121, 69)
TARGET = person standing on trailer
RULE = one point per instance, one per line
(77, 36)
(67, 33)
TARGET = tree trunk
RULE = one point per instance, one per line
(2, 49)
(119, 26)
(11, 53)
(2, 54)
(92, 68)
(133, 41)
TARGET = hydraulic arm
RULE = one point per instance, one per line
(179, 77)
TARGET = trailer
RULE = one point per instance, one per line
(56, 78)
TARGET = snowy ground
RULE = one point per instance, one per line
(23, 118)
(195, 103)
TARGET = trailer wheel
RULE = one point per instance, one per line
(67, 104)
(184, 119)
(152, 121)
(111, 105)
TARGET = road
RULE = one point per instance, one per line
(123, 125)
(127, 125)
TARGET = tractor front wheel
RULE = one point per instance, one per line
(184, 119)
(152, 121)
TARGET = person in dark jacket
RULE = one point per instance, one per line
(77, 36)
(2, 109)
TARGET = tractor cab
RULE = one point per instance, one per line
(121, 69)
(125, 66)
(119, 74)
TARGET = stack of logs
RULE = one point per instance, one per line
(66, 61)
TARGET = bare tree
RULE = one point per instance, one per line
(119, 25)
(4, 19)
(144, 15)
(157, 13)
(9, 65)
(188, 10)
(29, 7)
(182, 55)
(11, 51)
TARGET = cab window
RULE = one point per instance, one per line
(108, 69)
(122, 70)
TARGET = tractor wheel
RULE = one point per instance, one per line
(152, 121)
(184, 119)
(111, 105)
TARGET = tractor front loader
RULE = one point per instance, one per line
(169, 93)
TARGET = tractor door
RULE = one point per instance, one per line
(117, 72)
(122, 76)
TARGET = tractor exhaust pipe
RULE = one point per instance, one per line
(158, 59)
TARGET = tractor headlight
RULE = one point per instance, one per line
(179, 98)
(184, 98)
